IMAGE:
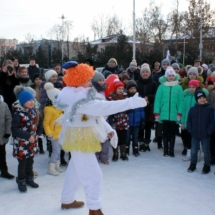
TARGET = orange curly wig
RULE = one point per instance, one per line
(78, 75)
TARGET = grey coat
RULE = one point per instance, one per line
(5, 122)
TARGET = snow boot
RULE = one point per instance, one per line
(135, 151)
(188, 156)
(30, 182)
(141, 146)
(6, 174)
(115, 154)
(57, 166)
(159, 142)
(40, 144)
(192, 167)
(165, 143)
(206, 169)
(127, 150)
(75, 204)
(172, 146)
(52, 170)
(146, 145)
(95, 212)
(123, 155)
(21, 185)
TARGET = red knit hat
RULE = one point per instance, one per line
(195, 83)
(117, 83)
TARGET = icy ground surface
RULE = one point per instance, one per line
(147, 185)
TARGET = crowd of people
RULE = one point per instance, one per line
(180, 101)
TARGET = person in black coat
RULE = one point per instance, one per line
(33, 69)
(200, 124)
(146, 88)
(8, 81)
(111, 67)
(164, 64)
(133, 71)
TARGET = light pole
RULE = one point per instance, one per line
(184, 51)
(62, 17)
(200, 44)
(134, 48)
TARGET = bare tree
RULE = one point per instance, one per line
(29, 37)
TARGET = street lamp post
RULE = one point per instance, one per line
(62, 17)
(184, 52)
(200, 44)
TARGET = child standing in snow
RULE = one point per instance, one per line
(189, 101)
(98, 82)
(136, 117)
(24, 127)
(120, 121)
(200, 124)
(168, 108)
(51, 114)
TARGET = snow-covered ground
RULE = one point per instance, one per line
(147, 185)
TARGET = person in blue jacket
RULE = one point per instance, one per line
(200, 124)
(136, 119)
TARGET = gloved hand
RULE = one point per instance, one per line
(138, 101)
(50, 137)
(179, 117)
(6, 135)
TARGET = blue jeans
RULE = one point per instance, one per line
(205, 148)
(132, 132)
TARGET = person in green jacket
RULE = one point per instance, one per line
(168, 108)
(189, 101)
(192, 74)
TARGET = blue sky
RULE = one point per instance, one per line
(20, 17)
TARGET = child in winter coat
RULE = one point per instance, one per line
(136, 119)
(23, 77)
(24, 127)
(121, 121)
(200, 124)
(192, 74)
(98, 82)
(5, 131)
(51, 114)
(189, 101)
(168, 108)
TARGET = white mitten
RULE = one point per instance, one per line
(138, 101)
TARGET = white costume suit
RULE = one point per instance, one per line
(83, 129)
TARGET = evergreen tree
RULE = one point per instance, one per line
(41, 58)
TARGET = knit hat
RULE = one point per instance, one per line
(205, 66)
(37, 75)
(51, 91)
(31, 90)
(49, 74)
(169, 71)
(98, 76)
(175, 66)
(58, 85)
(195, 83)
(22, 94)
(212, 68)
(193, 70)
(117, 83)
(199, 94)
(165, 61)
(145, 67)
(130, 84)
(133, 64)
(112, 60)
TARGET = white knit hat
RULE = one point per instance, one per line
(193, 70)
(169, 71)
(145, 67)
(205, 66)
(51, 91)
(49, 74)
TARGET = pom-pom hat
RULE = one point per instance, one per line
(22, 94)
(169, 71)
(77, 74)
(195, 83)
(49, 74)
(51, 91)
(117, 83)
